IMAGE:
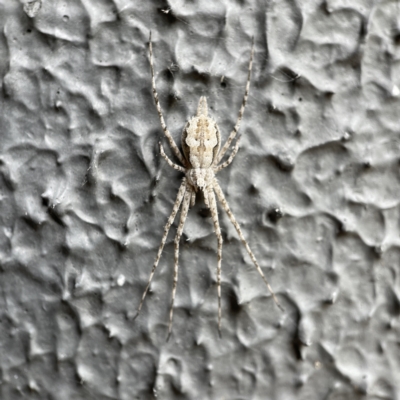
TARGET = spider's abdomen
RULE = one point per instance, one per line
(201, 138)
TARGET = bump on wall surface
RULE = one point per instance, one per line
(85, 196)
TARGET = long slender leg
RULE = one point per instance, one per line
(184, 212)
(170, 163)
(240, 115)
(230, 159)
(178, 201)
(155, 95)
(217, 229)
(225, 205)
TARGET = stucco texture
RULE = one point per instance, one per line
(85, 195)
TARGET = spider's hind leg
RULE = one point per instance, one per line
(231, 157)
(235, 130)
(168, 160)
(167, 133)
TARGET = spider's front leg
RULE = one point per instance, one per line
(225, 205)
(177, 204)
(214, 213)
(184, 212)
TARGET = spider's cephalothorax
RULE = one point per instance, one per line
(200, 161)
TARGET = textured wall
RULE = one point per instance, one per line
(84, 196)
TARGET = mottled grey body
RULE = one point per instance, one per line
(201, 158)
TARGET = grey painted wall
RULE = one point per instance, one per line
(84, 197)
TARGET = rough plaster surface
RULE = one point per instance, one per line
(85, 196)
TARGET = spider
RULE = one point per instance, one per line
(201, 160)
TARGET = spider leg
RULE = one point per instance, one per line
(225, 205)
(217, 229)
(240, 115)
(178, 201)
(230, 159)
(160, 115)
(170, 163)
(184, 212)
(193, 199)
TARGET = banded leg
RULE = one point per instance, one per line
(184, 212)
(217, 229)
(177, 204)
(230, 159)
(241, 111)
(172, 143)
(170, 163)
(225, 205)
